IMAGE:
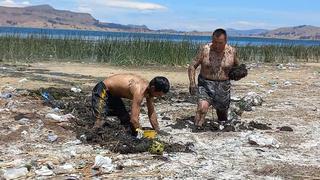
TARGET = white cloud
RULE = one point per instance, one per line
(124, 4)
(85, 9)
(12, 3)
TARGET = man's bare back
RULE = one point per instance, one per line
(130, 86)
(126, 85)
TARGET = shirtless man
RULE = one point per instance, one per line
(216, 60)
(107, 94)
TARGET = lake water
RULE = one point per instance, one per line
(98, 35)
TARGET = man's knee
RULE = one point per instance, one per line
(203, 107)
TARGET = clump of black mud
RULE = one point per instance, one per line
(214, 125)
(112, 135)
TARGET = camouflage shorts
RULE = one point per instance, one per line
(217, 93)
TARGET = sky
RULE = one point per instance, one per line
(189, 15)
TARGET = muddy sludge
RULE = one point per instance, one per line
(112, 135)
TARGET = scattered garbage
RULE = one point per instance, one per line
(15, 173)
(6, 95)
(52, 137)
(76, 90)
(103, 163)
(44, 171)
(263, 140)
(57, 118)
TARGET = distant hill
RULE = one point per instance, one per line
(297, 32)
(45, 16)
(251, 32)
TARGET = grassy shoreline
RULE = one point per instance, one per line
(137, 52)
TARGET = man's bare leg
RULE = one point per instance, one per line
(202, 110)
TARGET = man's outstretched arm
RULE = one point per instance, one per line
(152, 114)
(192, 71)
(135, 112)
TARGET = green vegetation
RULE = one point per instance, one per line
(136, 52)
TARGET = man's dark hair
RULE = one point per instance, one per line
(160, 83)
(219, 32)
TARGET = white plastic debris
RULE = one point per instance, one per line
(57, 118)
(281, 67)
(23, 80)
(44, 171)
(52, 137)
(253, 99)
(263, 140)
(103, 163)
(287, 83)
(24, 121)
(68, 167)
(15, 173)
(76, 90)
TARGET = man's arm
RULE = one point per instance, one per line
(192, 70)
(135, 111)
(236, 61)
(152, 114)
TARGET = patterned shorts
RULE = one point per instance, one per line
(217, 93)
(105, 104)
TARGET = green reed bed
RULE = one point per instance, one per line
(136, 52)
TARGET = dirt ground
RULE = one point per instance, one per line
(290, 98)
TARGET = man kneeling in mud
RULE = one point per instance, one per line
(216, 60)
(107, 95)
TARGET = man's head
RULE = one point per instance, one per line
(219, 40)
(159, 86)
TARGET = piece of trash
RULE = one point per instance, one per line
(64, 169)
(156, 148)
(281, 67)
(23, 80)
(287, 83)
(52, 137)
(249, 100)
(24, 121)
(6, 95)
(76, 90)
(44, 171)
(103, 163)
(48, 98)
(57, 118)
(15, 173)
(263, 140)
(83, 137)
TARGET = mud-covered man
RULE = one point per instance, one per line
(106, 99)
(216, 59)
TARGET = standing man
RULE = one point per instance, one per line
(216, 60)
